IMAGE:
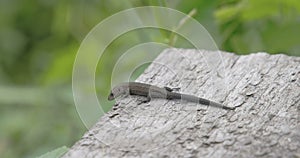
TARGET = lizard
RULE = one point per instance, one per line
(152, 91)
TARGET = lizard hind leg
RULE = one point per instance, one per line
(168, 89)
(171, 89)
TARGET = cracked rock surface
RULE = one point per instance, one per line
(265, 89)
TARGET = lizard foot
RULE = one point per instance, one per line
(144, 100)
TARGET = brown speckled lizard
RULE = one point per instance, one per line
(151, 91)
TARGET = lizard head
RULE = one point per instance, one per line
(117, 91)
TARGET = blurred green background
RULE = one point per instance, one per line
(39, 40)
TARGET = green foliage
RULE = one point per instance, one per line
(57, 153)
(39, 40)
(251, 26)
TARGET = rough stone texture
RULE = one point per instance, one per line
(264, 88)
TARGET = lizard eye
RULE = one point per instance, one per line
(111, 96)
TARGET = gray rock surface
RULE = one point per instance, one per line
(266, 123)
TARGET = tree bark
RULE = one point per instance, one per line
(265, 89)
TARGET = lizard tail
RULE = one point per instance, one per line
(214, 104)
